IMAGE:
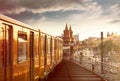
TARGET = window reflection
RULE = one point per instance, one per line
(43, 45)
(22, 47)
(37, 46)
(49, 45)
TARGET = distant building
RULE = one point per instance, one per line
(91, 42)
(108, 34)
(67, 36)
(76, 38)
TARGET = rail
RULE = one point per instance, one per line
(110, 72)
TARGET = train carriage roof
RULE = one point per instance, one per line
(15, 22)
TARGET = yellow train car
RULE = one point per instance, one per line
(26, 54)
(19, 56)
(59, 49)
(47, 57)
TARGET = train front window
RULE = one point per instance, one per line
(22, 47)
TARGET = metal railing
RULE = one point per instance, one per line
(110, 72)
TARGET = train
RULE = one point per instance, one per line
(26, 54)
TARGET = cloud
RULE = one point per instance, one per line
(37, 21)
(10, 6)
(26, 16)
(41, 6)
(98, 15)
(113, 13)
(96, 20)
(115, 21)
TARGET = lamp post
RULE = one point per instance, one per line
(101, 52)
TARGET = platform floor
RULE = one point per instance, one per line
(70, 71)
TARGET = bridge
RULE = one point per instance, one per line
(70, 70)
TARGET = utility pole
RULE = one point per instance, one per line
(101, 52)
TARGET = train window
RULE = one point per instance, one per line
(22, 47)
(37, 46)
(49, 45)
(43, 44)
(60, 48)
(43, 50)
(53, 46)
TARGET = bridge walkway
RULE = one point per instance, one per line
(67, 70)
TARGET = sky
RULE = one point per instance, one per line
(86, 17)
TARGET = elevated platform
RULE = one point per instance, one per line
(69, 71)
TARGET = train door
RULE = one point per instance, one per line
(45, 56)
(36, 57)
(48, 54)
(55, 49)
(51, 51)
(31, 56)
(6, 37)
